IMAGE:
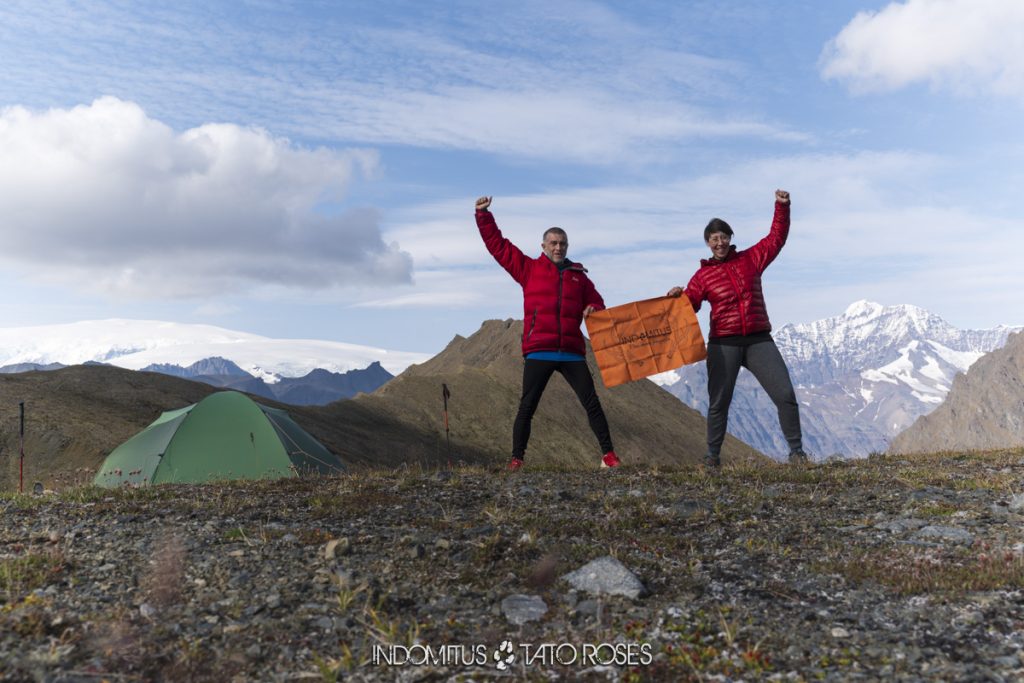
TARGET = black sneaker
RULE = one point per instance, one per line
(798, 457)
(712, 460)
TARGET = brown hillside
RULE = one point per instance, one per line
(484, 374)
(984, 408)
(77, 415)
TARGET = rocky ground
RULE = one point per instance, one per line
(896, 569)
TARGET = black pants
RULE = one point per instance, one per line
(536, 374)
(766, 364)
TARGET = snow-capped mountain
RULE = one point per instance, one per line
(136, 344)
(861, 378)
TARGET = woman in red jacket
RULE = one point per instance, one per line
(740, 331)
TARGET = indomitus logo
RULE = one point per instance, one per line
(644, 336)
(507, 654)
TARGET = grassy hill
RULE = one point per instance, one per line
(484, 372)
(76, 415)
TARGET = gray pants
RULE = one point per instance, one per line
(766, 364)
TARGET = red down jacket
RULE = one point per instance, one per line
(733, 285)
(553, 301)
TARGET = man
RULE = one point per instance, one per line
(557, 295)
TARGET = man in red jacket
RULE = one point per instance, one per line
(557, 295)
(740, 330)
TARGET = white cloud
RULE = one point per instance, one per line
(629, 218)
(215, 309)
(868, 225)
(601, 127)
(104, 196)
(568, 83)
(968, 46)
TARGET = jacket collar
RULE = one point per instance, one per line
(571, 265)
(705, 262)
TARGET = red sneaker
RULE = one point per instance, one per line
(515, 464)
(610, 460)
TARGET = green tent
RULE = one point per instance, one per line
(224, 436)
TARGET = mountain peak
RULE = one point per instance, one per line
(863, 309)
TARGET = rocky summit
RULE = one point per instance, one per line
(893, 568)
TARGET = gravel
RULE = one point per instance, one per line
(894, 569)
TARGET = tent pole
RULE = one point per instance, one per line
(21, 460)
(444, 395)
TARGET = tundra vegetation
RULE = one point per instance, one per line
(886, 567)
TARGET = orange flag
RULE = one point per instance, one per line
(643, 338)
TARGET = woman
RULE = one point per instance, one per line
(740, 330)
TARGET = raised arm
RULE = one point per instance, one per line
(504, 252)
(765, 251)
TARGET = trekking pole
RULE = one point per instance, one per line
(444, 395)
(21, 461)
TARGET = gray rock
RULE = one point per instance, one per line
(901, 525)
(927, 493)
(1007, 662)
(683, 509)
(337, 547)
(946, 533)
(519, 608)
(606, 576)
(997, 510)
(1016, 503)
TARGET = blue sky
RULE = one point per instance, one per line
(308, 170)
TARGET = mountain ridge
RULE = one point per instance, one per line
(136, 344)
(861, 377)
(981, 411)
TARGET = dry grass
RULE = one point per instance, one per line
(22, 574)
(909, 571)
